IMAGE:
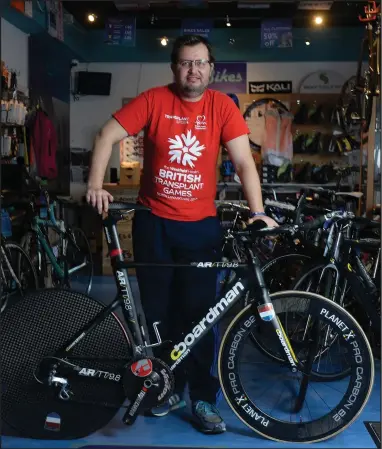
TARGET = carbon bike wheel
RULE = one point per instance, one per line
(280, 274)
(37, 327)
(250, 395)
(290, 267)
(17, 267)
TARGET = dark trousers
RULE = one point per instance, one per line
(179, 297)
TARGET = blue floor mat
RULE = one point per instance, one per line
(175, 430)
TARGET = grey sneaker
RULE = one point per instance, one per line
(174, 403)
(208, 418)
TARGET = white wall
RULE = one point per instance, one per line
(14, 52)
(296, 71)
(88, 114)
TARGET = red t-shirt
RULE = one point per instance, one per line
(181, 145)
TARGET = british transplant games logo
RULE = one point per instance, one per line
(185, 149)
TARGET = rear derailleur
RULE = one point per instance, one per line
(46, 374)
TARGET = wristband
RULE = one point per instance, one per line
(258, 214)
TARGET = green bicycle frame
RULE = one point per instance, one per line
(51, 222)
(42, 241)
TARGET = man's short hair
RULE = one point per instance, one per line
(189, 41)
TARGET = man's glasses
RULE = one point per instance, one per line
(199, 63)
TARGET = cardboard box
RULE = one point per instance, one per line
(124, 229)
(130, 174)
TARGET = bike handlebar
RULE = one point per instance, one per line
(256, 229)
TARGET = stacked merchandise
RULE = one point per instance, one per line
(13, 115)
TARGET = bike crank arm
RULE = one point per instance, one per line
(134, 408)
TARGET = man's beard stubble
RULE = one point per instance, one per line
(193, 91)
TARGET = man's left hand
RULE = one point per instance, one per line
(267, 220)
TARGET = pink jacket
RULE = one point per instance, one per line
(44, 142)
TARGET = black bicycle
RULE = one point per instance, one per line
(339, 274)
(344, 278)
(69, 364)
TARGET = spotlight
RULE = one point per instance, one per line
(318, 20)
(92, 17)
(228, 23)
(164, 41)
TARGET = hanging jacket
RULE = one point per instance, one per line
(44, 143)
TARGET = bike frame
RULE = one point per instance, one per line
(177, 353)
(38, 225)
(348, 271)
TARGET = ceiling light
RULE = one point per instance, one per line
(318, 20)
(307, 43)
(164, 41)
(92, 17)
(228, 23)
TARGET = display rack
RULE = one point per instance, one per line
(293, 102)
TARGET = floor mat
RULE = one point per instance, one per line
(374, 428)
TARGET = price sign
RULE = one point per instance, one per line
(276, 33)
(120, 31)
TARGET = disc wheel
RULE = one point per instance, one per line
(36, 328)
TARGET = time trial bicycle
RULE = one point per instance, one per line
(69, 364)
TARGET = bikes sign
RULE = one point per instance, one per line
(229, 77)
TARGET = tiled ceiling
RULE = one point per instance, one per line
(169, 13)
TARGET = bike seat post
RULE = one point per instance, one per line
(121, 276)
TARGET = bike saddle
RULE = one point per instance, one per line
(123, 207)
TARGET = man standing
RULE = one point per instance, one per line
(185, 123)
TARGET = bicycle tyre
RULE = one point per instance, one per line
(33, 280)
(321, 429)
(355, 292)
(44, 271)
(87, 285)
(365, 102)
(37, 327)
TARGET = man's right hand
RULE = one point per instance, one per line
(99, 198)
